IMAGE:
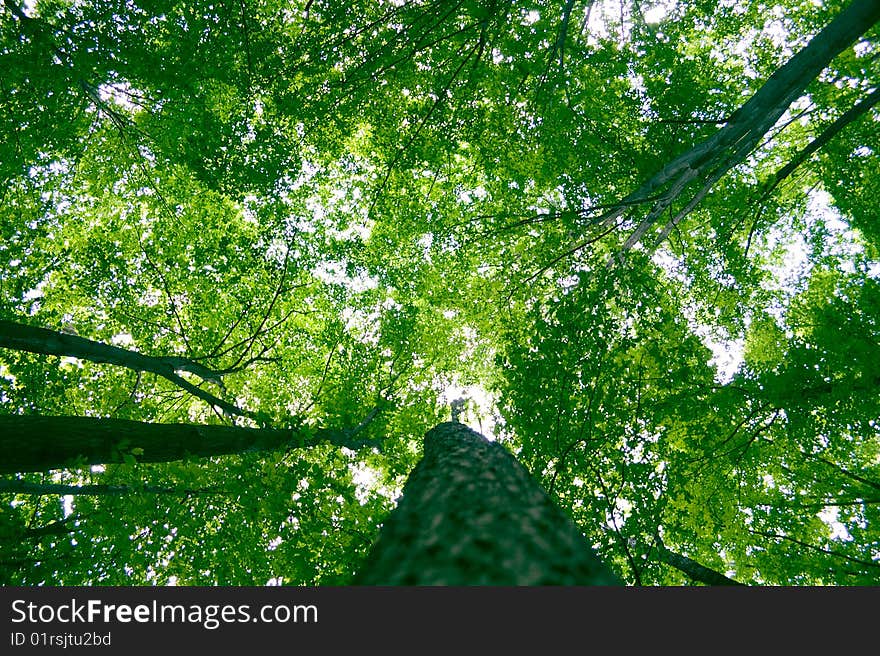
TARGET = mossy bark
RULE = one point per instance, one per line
(470, 514)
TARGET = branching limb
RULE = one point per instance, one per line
(32, 339)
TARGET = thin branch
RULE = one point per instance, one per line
(713, 157)
(424, 120)
(813, 547)
(316, 395)
(132, 394)
(559, 45)
(620, 539)
(861, 479)
(845, 119)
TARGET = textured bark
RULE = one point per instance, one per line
(35, 443)
(693, 569)
(470, 514)
(22, 337)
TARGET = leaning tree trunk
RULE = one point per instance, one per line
(712, 158)
(31, 443)
(692, 568)
(470, 514)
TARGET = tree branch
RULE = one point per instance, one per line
(22, 337)
(849, 116)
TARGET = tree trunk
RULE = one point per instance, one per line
(31, 443)
(693, 569)
(470, 514)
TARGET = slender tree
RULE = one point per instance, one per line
(707, 162)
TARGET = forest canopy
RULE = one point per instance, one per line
(251, 251)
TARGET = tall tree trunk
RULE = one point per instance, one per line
(470, 514)
(35, 443)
